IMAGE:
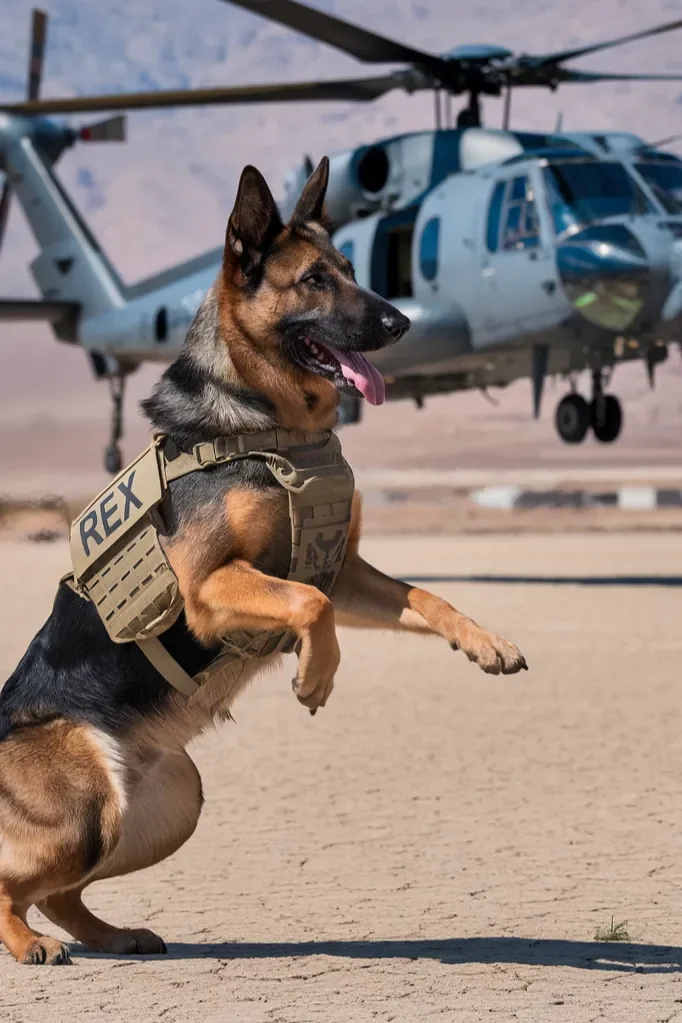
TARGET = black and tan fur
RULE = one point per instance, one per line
(94, 778)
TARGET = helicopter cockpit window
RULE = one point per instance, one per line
(665, 181)
(579, 194)
(520, 228)
(428, 249)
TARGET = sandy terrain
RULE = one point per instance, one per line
(436, 844)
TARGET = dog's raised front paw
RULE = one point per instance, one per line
(491, 653)
(312, 696)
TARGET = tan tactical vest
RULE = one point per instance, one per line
(120, 565)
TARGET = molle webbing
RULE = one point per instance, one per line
(120, 564)
(117, 557)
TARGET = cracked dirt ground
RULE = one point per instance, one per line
(436, 844)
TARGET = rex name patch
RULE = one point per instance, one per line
(135, 492)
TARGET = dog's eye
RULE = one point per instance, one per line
(313, 279)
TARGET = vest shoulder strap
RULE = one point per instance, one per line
(245, 445)
(167, 666)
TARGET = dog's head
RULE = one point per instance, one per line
(295, 320)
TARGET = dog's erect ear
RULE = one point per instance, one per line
(254, 222)
(311, 204)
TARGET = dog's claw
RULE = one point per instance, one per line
(47, 952)
(315, 699)
(492, 653)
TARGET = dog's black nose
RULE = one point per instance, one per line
(395, 324)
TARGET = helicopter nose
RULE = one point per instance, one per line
(395, 324)
(606, 275)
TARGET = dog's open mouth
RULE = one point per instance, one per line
(348, 370)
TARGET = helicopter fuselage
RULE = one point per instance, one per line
(500, 247)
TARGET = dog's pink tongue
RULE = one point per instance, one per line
(360, 371)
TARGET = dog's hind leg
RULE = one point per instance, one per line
(68, 911)
(161, 815)
(25, 944)
(61, 801)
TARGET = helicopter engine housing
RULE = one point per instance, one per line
(390, 174)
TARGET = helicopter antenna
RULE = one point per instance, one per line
(660, 143)
(559, 126)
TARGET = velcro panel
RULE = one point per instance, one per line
(136, 592)
(319, 541)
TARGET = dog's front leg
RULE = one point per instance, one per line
(238, 597)
(366, 598)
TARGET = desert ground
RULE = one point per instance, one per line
(436, 844)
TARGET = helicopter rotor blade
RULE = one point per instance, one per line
(37, 55)
(354, 89)
(342, 35)
(113, 129)
(582, 51)
(595, 76)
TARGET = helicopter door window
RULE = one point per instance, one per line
(428, 249)
(494, 213)
(512, 226)
(521, 228)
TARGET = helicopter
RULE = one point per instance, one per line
(515, 254)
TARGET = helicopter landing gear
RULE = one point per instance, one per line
(113, 461)
(606, 414)
(574, 416)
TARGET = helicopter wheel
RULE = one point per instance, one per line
(572, 418)
(606, 417)
(113, 462)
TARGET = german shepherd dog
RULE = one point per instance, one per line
(94, 778)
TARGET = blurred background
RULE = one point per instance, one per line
(165, 195)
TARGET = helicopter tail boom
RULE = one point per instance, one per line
(71, 267)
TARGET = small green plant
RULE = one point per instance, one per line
(616, 932)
